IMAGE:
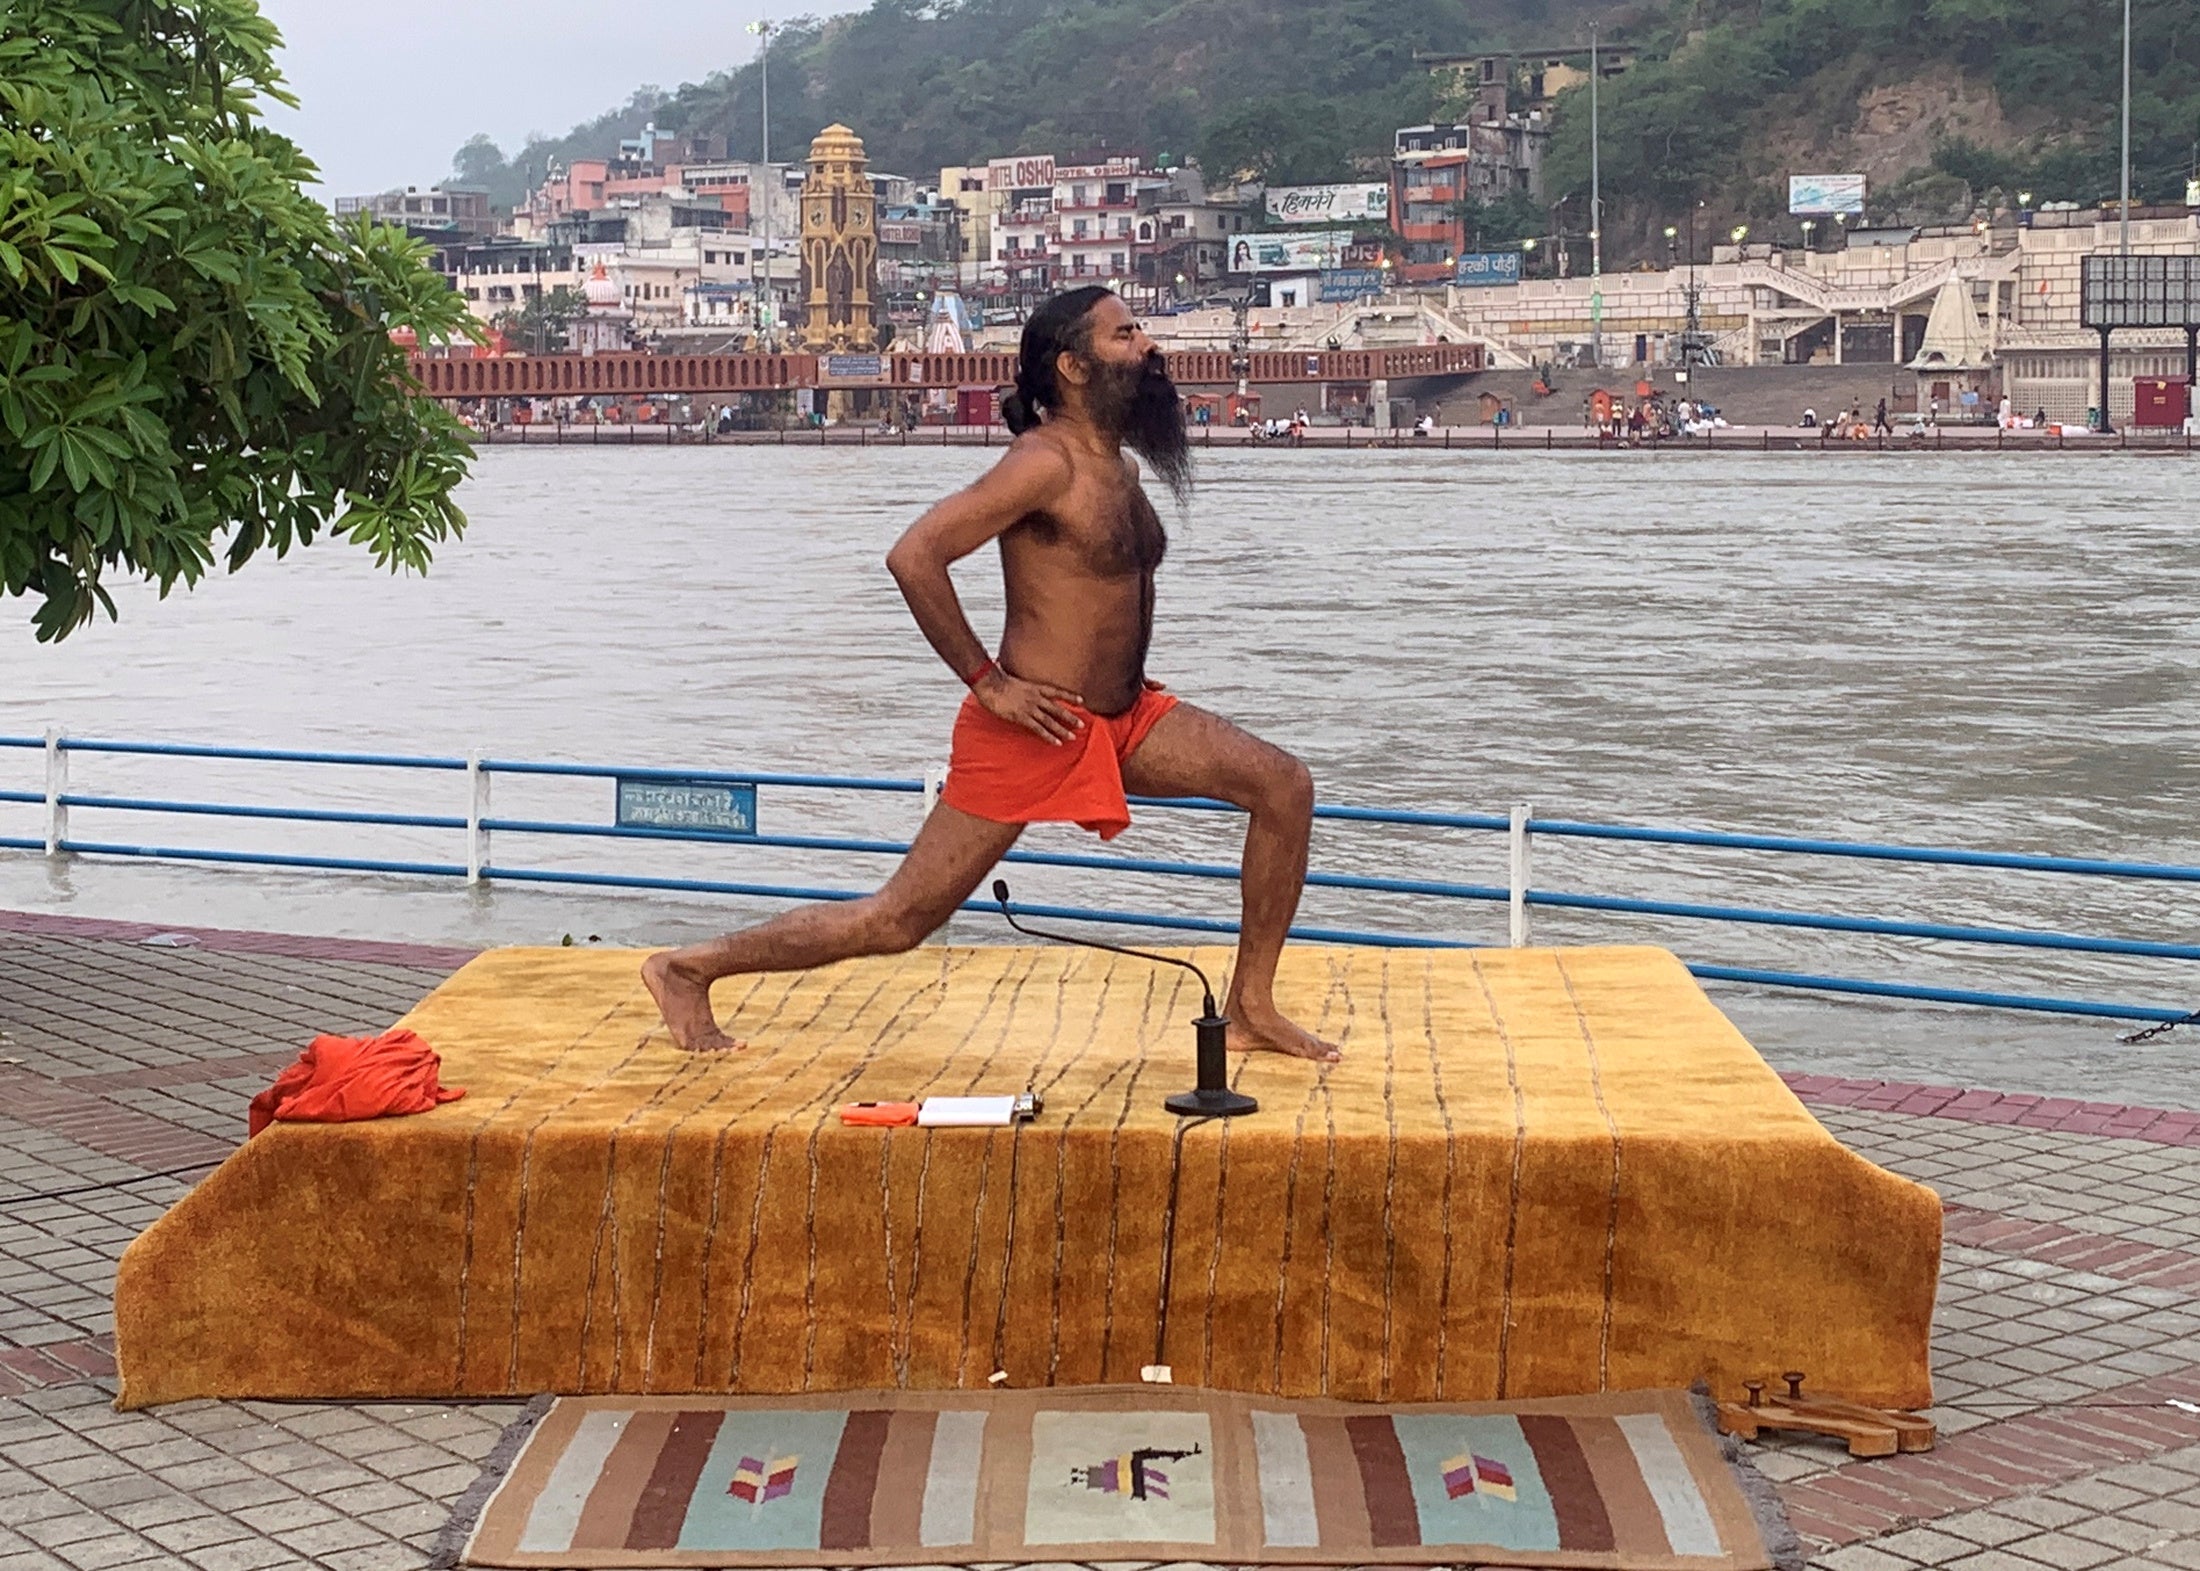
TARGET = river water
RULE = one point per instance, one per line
(1962, 650)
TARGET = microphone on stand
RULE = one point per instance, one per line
(1212, 1096)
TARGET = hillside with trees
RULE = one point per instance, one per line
(1947, 104)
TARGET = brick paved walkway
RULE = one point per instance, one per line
(2068, 1327)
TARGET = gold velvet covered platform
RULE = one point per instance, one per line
(1536, 1172)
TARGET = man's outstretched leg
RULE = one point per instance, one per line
(1190, 752)
(952, 852)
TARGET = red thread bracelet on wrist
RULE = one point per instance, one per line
(974, 678)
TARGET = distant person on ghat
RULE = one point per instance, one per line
(1063, 722)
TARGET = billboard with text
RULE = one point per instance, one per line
(1329, 204)
(1350, 283)
(1487, 267)
(1020, 174)
(1305, 251)
(1825, 195)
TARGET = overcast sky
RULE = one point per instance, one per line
(390, 88)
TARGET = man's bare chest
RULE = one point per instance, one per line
(1110, 535)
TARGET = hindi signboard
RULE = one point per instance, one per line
(1349, 283)
(851, 368)
(1303, 251)
(1479, 269)
(1825, 195)
(1020, 174)
(702, 807)
(1319, 204)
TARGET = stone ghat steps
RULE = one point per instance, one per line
(1744, 395)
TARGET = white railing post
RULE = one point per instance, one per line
(1521, 813)
(935, 781)
(477, 808)
(57, 782)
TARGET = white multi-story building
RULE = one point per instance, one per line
(1020, 253)
(1183, 233)
(1096, 220)
(966, 186)
(676, 258)
(654, 266)
(744, 188)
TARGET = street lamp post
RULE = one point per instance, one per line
(762, 28)
(1688, 333)
(1672, 239)
(2123, 235)
(1596, 215)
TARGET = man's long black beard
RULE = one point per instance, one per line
(1139, 407)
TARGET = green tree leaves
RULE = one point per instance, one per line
(1284, 138)
(194, 358)
(543, 324)
(936, 82)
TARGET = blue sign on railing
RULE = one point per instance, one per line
(698, 806)
(1487, 267)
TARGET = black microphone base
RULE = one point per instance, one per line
(1223, 1103)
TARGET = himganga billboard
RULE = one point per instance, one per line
(1316, 204)
(1810, 195)
(1487, 267)
(1304, 251)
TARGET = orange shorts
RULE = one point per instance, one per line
(1003, 772)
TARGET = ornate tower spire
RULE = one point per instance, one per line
(839, 246)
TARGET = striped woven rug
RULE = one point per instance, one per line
(1633, 1481)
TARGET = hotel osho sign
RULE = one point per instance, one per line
(1019, 174)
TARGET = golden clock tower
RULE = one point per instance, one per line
(839, 247)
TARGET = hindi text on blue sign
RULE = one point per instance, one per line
(1487, 267)
(697, 806)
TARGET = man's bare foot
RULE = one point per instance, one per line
(684, 1001)
(1266, 1031)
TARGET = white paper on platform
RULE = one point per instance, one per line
(938, 1110)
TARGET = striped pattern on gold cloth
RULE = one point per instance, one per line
(1629, 1481)
(1535, 1172)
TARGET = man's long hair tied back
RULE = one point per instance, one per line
(1056, 326)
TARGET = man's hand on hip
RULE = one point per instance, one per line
(1039, 707)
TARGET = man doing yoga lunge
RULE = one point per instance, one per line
(1063, 723)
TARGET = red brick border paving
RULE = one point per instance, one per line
(107, 1127)
(1996, 1461)
(297, 946)
(195, 1072)
(56, 1364)
(2071, 1248)
(2057, 1114)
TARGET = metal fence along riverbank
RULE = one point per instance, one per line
(1478, 438)
(470, 834)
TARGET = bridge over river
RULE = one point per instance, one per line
(637, 371)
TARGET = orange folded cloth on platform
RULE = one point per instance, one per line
(340, 1079)
(1001, 771)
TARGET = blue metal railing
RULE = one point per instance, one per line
(478, 825)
